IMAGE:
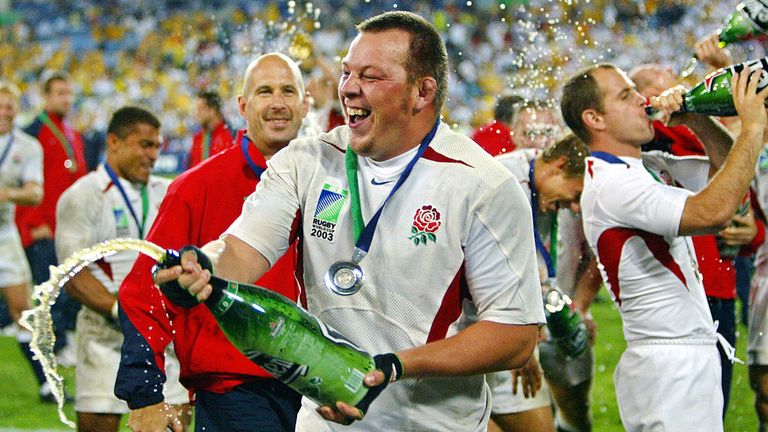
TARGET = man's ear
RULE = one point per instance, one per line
(112, 141)
(426, 92)
(593, 119)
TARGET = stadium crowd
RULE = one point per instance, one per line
(194, 68)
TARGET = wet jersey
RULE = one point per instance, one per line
(631, 220)
(453, 242)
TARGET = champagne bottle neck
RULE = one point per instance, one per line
(218, 302)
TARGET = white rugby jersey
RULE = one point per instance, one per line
(23, 164)
(454, 242)
(93, 210)
(631, 222)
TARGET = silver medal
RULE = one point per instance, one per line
(344, 278)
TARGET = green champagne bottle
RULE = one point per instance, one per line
(565, 325)
(287, 341)
(713, 95)
(749, 20)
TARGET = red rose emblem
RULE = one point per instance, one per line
(427, 219)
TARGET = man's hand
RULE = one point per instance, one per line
(591, 327)
(190, 275)
(155, 418)
(750, 104)
(389, 369)
(529, 376)
(742, 231)
(41, 232)
(708, 51)
(668, 102)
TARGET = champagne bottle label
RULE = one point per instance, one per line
(757, 13)
(713, 96)
(227, 300)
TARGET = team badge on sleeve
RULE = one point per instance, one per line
(426, 222)
(329, 204)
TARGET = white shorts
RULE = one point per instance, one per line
(670, 387)
(757, 343)
(98, 358)
(14, 268)
(566, 371)
(505, 402)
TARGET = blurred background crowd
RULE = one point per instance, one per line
(161, 53)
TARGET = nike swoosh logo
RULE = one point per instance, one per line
(375, 183)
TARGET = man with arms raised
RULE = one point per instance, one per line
(637, 224)
(438, 252)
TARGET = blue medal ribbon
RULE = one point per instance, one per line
(7, 150)
(548, 258)
(244, 141)
(364, 236)
(144, 200)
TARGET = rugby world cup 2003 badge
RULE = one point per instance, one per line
(329, 205)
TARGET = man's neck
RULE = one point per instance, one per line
(54, 114)
(615, 148)
(411, 138)
(211, 125)
(265, 149)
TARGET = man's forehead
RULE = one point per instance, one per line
(370, 48)
(612, 81)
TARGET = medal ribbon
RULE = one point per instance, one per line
(244, 141)
(65, 144)
(144, 200)
(206, 145)
(363, 233)
(550, 256)
(7, 150)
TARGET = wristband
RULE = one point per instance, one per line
(392, 368)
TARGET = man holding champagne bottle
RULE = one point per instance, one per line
(445, 250)
(637, 223)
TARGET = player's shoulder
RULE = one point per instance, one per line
(465, 159)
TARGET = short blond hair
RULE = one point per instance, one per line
(11, 89)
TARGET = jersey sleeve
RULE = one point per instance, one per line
(639, 201)
(145, 317)
(32, 166)
(77, 213)
(501, 264)
(269, 213)
(690, 172)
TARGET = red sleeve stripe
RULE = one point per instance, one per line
(611, 244)
(450, 308)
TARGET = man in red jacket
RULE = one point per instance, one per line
(215, 135)
(63, 163)
(231, 392)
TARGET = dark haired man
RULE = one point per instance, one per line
(214, 135)
(637, 219)
(119, 199)
(450, 285)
